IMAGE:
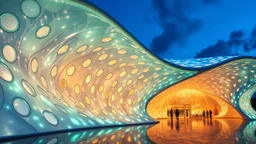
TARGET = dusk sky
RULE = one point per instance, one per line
(184, 29)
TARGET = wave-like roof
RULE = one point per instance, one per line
(66, 65)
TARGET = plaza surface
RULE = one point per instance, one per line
(194, 130)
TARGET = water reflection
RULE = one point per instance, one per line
(119, 135)
(203, 131)
(167, 131)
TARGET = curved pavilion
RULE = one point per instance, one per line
(66, 65)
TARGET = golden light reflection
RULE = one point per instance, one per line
(195, 131)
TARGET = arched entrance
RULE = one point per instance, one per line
(193, 96)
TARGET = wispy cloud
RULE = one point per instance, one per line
(238, 44)
(174, 18)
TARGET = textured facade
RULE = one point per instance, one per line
(66, 65)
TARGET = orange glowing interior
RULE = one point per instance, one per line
(194, 95)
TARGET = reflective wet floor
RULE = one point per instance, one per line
(195, 130)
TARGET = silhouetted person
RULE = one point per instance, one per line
(210, 122)
(210, 112)
(177, 126)
(171, 124)
(187, 113)
(203, 113)
(207, 113)
(171, 113)
(177, 114)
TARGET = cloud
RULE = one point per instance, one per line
(251, 43)
(238, 44)
(220, 48)
(174, 18)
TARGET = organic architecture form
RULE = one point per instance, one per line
(66, 65)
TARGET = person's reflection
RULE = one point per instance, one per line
(177, 126)
(210, 122)
(207, 121)
(204, 121)
(172, 124)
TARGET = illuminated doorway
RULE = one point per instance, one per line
(190, 102)
(184, 110)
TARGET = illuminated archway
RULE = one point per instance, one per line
(230, 85)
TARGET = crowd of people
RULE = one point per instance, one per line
(176, 112)
(171, 112)
(207, 114)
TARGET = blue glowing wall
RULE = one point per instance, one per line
(65, 65)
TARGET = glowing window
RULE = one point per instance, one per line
(87, 63)
(71, 70)
(103, 57)
(106, 39)
(120, 89)
(97, 49)
(112, 62)
(92, 89)
(82, 49)
(9, 53)
(156, 75)
(87, 100)
(114, 84)
(81, 104)
(43, 81)
(101, 88)
(106, 93)
(100, 72)
(123, 73)
(121, 100)
(129, 101)
(145, 70)
(128, 82)
(131, 92)
(88, 78)
(121, 52)
(43, 32)
(134, 57)
(77, 89)
(145, 80)
(54, 71)
(63, 49)
(141, 63)
(157, 68)
(34, 65)
(134, 71)
(109, 76)
(142, 76)
(27, 86)
(113, 97)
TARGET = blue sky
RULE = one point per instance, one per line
(188, 28)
